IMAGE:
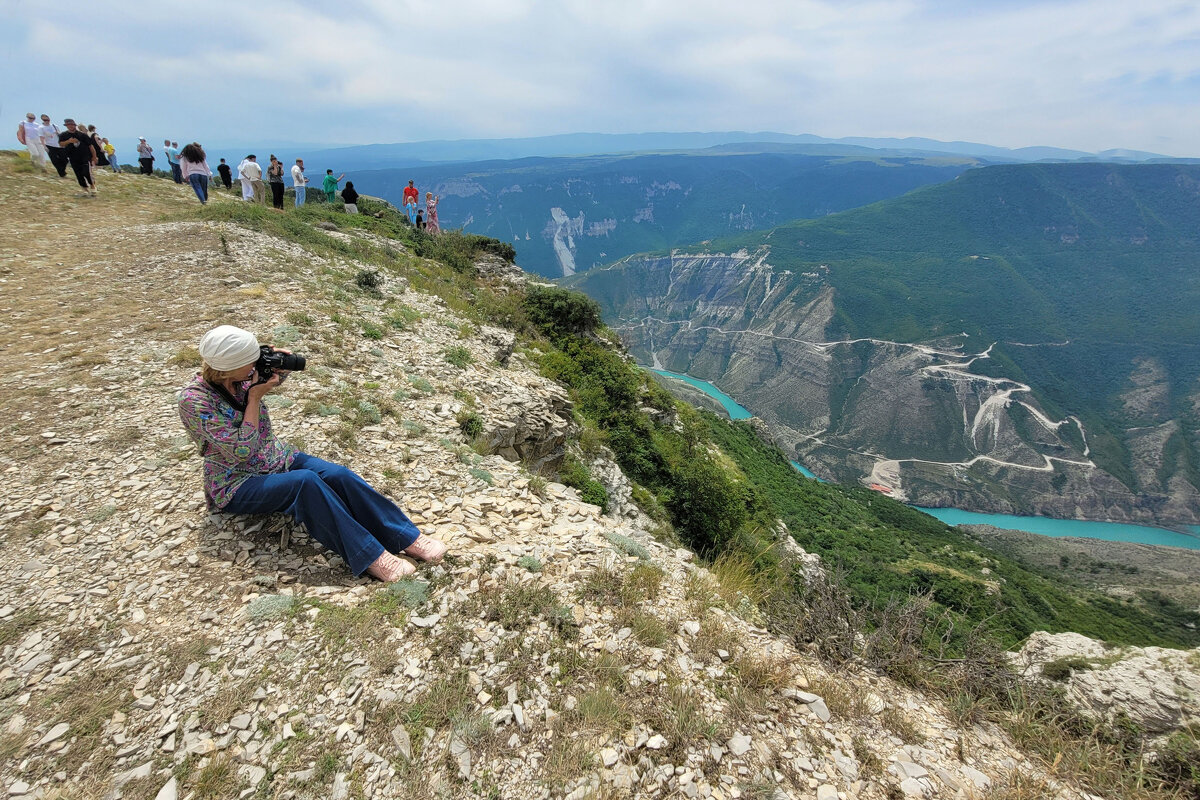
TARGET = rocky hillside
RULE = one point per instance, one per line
(151, 650)
(1019, 339)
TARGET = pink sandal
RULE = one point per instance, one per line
(426, 548)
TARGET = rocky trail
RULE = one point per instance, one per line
(151, 650)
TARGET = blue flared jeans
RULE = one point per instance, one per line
(199, 184)
(339, 509)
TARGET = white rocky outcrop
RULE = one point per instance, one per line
(1156, 687)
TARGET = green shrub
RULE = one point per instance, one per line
(369, 280)
(372, 331)
(459, 356)
(470, 423)
(403, 317)
(1061, 669)
(420, 384)
(574, 473)
(559, 312)
(1178, 762)
(482, 475)
(530, 563)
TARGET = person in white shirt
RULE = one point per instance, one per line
(29, 133)
(254, 173)
(247, 188)
(299, 182)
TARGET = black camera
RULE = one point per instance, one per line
(270, 360)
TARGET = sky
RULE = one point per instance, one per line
(1080, 74)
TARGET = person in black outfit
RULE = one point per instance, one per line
(80, 153)
(421, 219)
(226, 174)
(58, 156)
(101, 159)
(350, 198)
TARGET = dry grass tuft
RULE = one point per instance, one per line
(842, 698)
(87, 703)
(680, 714)
(738, 582)
(898, 723)
(569, 757)
(227, 702)
(218, 780)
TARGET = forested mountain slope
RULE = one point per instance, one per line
(1022, 338)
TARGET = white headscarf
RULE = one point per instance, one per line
(228, 347)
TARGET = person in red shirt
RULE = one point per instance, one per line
(411, 191)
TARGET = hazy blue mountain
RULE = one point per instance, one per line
(1024, 338)
(384, 156)
(568, 214)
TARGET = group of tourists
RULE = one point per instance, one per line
(422, 219)
(80, 147)
(76, 145)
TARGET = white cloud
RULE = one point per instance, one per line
(1088, 74)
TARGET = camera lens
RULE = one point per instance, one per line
(290, 362)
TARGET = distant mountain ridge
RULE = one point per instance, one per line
(1022, 338)
(400, 154)
(565, 215)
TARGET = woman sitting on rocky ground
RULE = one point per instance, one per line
(248, 470)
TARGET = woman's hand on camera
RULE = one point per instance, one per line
(258, 390)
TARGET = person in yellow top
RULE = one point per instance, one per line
(110, 154)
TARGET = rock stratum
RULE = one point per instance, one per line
(1018, 340)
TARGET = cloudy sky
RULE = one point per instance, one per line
(1082, 74)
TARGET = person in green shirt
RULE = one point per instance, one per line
(330, 185)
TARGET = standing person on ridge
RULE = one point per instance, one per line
(275, 178)
(410, 191)
(193, 164)
(110, 153)
(29, 133)
(80, 153)
(145, 156)
(330, 184)
(98, 143)
(248, 470)
(350, 198)
(299, 182)
(226, 173)
(254, 170)
(431, 218)
(172, 151)
(50, 141)
(248, 172)
(410, 208)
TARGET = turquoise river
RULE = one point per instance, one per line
(1046, 526)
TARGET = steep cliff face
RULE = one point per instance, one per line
(924, 419)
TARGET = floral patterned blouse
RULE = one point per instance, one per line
(232, 452)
